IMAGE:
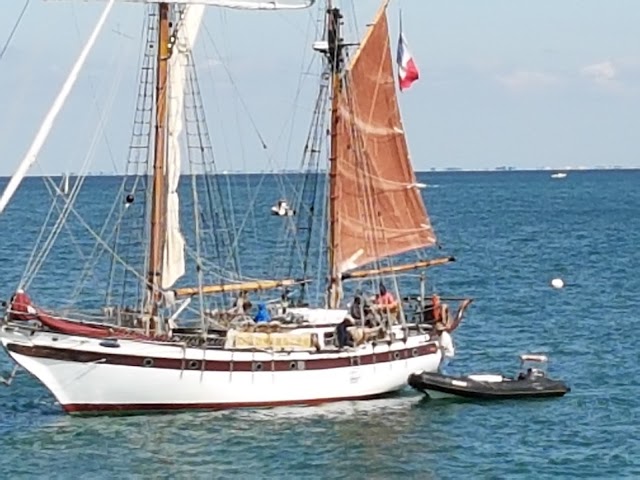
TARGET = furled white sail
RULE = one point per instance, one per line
(240, 4)
(237, 4)
(58, 103)
(173, 261)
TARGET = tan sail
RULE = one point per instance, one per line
(378, 208)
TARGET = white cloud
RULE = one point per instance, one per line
(603, 73)
(527, 80)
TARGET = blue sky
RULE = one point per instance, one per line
(503, 82)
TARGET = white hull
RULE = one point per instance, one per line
(87, 377)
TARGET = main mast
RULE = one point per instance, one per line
(334, 55)
(158, 195)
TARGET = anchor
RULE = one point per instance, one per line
(7, 381)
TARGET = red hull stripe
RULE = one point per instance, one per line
(217, 365)
(131, 408)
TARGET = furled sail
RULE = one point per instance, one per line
(237, 4)
(173, 260)
(379, 209)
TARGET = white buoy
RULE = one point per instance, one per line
(557, 283)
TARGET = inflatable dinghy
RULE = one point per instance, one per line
(530, 384)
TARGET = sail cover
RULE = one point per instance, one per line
(379, 209)
(173, 261)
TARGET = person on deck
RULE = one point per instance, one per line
(437, 308)
(263, 314)
(242, 304)
(445, 344)
(357, 308)
(343, 337)
(362, 312)
(385, 298)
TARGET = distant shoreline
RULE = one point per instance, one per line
(432, 170)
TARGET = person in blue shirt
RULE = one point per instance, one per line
(263, 314)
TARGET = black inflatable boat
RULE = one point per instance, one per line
(531, 383)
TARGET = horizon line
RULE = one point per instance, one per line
(501, 169)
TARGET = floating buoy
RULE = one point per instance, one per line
(557, 283)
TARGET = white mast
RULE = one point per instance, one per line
(46, 126)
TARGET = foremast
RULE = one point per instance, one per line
(159, 190)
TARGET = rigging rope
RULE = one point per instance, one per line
(38, 260)
(117, 53)
(13, 31)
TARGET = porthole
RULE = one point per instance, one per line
(293, 366)
(414, 352)
(194, 364)
(147, 362)
(257, 366)
(396, 355)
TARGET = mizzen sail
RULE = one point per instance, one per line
(173, 258)
(379, 209)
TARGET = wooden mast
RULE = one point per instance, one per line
(334, 55)
(158, 198)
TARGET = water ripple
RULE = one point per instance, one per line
(512, 233)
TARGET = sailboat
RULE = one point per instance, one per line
(144, 361)
(64, 186)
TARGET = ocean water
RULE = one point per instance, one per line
(511, 232)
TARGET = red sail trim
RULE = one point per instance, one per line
(22, 309)
(70, 327)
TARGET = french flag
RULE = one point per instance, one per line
(407, 68)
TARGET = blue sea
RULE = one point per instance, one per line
(511, 234)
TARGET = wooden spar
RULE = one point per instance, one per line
(397, 268)
(236, 287)
(335, 59)
(158, 198)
